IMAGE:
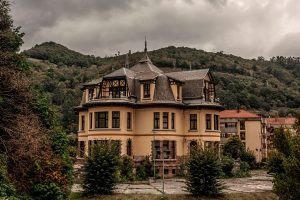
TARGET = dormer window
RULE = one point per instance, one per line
(91, 94)
(147, 89)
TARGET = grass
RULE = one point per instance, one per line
(268, 195)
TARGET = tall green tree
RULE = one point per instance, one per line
(203, 170)
(25, 140)
(284, 163)
(101, 169)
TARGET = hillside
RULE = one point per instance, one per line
(267, 87)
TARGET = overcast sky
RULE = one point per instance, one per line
(247, 28)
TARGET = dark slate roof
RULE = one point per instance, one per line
(192, 89)
(145, 65)
(188, 75)
(122, 72)
(93, 82)
(148, 75)
(163, 91)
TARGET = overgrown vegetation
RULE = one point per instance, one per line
(34, 155)
(284, 163)
(203, 170)
(234, 151)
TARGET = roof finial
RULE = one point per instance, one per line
(127, 61)
(145, 50)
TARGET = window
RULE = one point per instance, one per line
(146, 89)
(117, 88)
(156, 149)
(164, 149)
(173, 171)
(129, 147)
(129, 120)
(101, 119)
(216, 122)
(91, 120)
(208, 121)
(230, 125)
(193, 121)
(115, 119)
(242, 125)
(166, 171)
(178, 92)
(193, 145)
(243, 135)
(81, 149)
(91, 94)
(165, 120)
(156, 120)
(173, 121)
(82, 122)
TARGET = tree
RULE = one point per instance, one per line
(234, 147)
(126, 168)
(101, 169)
(203, 170)
(284, 164)
(25, 140)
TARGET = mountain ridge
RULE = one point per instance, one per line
(266, 87)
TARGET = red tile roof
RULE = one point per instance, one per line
(238, 114)
(281, 120)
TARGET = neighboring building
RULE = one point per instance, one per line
(269, 126)
(151, 113)
(246, 125)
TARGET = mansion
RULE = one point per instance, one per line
(151, 113)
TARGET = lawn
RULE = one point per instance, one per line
(234, 196)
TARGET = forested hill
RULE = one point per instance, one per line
(268, 87)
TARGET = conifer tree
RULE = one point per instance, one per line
(203, 170)
(101, 169)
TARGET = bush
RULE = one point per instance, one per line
(144, 170)
(244, 170)
(249, 157)
(47, 191)
(126, 168)
(227, 164)
(203, 170)
(6, 188)
(101, 169)
(234, 147)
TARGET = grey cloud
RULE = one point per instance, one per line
(247, 28)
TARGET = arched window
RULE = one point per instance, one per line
(193, 145)
(129, 147)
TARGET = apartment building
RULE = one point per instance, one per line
(246, 125)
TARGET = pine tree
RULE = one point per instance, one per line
(203, 170)
(101, 168)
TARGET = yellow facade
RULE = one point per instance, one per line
(150, 113)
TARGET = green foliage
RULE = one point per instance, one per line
(47, 191)
(249, 157)
(227, 164)
(144, 170)
(284, 164)
(60, 55)
(203, 170)
(126, 168)
(101, 168)
(6, 188)
(233, 147)
(244, 170)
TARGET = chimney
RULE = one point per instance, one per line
(174, 63)
(190, 64)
